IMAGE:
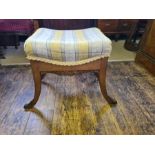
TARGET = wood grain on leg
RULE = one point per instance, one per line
(102, 81)
(37, 83)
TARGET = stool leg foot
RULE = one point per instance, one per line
(37, 84)
(102, 81)
(29, 105)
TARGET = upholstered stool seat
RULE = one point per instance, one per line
(64, 51)
(67, 46)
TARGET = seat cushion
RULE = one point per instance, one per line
(67, 45)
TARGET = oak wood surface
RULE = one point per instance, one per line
(146, 54)
(39, 69)
(75, 105)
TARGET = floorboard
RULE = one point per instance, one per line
(74, 104)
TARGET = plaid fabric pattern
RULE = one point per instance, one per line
(68, 45)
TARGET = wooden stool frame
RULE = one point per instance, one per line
(40, 68)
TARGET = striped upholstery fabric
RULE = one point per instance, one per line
(67, 45)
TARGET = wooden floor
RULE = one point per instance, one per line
(74, 104)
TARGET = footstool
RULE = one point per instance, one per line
(68, 51)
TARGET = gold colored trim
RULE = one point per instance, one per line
(55, 62)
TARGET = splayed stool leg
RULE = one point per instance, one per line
(37, 83)
(102, 81)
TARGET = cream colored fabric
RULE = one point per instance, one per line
(67, 46)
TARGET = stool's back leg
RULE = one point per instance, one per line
(43, 75)
(37, 84)
(102, 81)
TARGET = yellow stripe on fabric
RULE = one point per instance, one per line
(28, 48)
(56, 45)
(28, 43)
(82, 44)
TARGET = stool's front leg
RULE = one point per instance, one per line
(37, 84)
(102, 81)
